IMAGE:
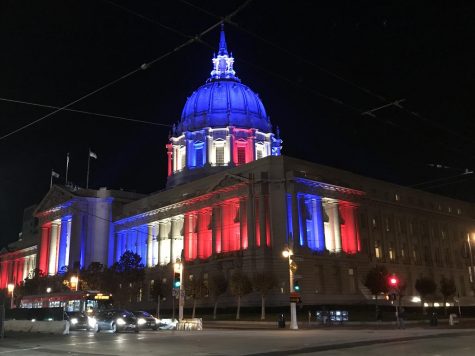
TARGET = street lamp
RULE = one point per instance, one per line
(48, 290)
(74, 282)
(287, 253)
(178, 267)
(471, 258)
(11, 288)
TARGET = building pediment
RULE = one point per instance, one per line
(54, 200)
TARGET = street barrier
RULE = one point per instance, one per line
(190, 324)
(50, 327)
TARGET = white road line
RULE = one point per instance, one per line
(31, 348)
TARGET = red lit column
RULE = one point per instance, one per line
(217, 228)
(44, 248)
(243, 224)
(349, 230)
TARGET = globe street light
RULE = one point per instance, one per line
(74, 282)
(287, 253)
(11, 288)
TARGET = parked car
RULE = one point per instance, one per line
(116, 320)
(145, 320)
(79, 320)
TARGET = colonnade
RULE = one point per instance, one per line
(55, 245)
(324, 223)
(14, 269)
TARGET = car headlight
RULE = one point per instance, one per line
(74, 321)
(91, 321)
(120, 321)
(141, 321)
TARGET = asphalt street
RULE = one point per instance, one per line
(329, 341)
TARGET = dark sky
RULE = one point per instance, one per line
(317, 66)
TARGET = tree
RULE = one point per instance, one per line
(162, 285)
(125, 277)
(195, 289)
(377, 282)
(447, 289)
(263, 282)
(240, 285)
(426, 286)
(92, 277)
(217, 285)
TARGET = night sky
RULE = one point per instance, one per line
(317, 66)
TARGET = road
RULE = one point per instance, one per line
(331, 341)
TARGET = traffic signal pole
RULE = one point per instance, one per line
(181, 297)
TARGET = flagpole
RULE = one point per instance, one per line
(88, 161)
(51, 180)
(67, 168)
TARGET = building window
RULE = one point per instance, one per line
(374, 223)
(220, 156)
(199, 156)
(392, 255)
(403, 251)
(386, 223)
(377, 250)
(259, 153)
(241, 155)
(397, 197)
(459, 211)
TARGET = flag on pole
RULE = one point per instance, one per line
(54, 174)
(92, 154)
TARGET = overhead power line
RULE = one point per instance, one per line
(144, 66)
(84, 112)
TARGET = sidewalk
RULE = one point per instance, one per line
(245, 324)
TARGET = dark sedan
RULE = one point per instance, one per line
(145, 320)
(79, 320)
(116, 320)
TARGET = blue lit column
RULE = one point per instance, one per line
(318, 230)
(64, 242)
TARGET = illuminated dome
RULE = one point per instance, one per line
(222, 103)
(223, 124)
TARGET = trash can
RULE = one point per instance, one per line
(281, 321)
(453, 319)
(433, 319)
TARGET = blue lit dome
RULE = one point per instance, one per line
(222, 103)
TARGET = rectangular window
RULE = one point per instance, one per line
(241, 155)
(259, 154)
(374, 223)
(403, 251)
(199, 157)
(392, 255)
(220, 156)
(377, 250)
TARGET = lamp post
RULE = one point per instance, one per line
(287, 253)
(74, 282)
(471, 258)
(181, 295)
(11, 288)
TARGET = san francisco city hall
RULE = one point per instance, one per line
(233, 201)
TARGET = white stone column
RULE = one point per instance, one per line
(53, 248)
(336, 226)
(150, 245)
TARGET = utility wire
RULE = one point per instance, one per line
(333, 74)
(84, 112)
(142, 67)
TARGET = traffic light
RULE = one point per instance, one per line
(393, 281)
(296, 286)
(176, 280)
